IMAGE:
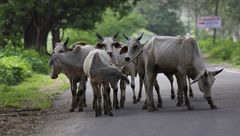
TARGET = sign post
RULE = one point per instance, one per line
(210, 22)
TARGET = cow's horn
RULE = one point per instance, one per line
(214, 73)
(140, 37)
(65, 43)
(115, 36)
(99, 36)
(125, 37)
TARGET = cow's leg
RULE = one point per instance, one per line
(107, 107)
(82, 94)
(158, 93)
(190, 88)
(100, 99)
(170, 78)
(140, 88)
(115, 98)
(105, 102)
(95, 98)
(179, 93)
(108, 93)
(123, 93)
(73, 90)
(149, 80)
(133, 85)
(211, 103)
(181, 79)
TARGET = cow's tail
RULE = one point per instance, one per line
(123, 77)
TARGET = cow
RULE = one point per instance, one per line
(61, 47)
(173, 56)
(140, 70)
(71, 64)
(113, 47)
(99, 68)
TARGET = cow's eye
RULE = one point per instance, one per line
(60, 51)
(135, 47)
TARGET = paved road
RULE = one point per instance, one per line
(169, 121)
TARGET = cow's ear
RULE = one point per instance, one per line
(117, 45)
(76, 49)
(123, 50)
(198, 77)
(99, 45)
(143, 44)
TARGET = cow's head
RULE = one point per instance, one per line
(133, 48)
(56, 68)
(108, 43)
(205, 81)
(61, 47)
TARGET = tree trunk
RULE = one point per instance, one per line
(29, 36)
(37, 30)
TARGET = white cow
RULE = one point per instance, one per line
(99, 68)
(173, 55)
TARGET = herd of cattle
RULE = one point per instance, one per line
(110, 62)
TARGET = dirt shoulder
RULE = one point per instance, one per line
(25, 122)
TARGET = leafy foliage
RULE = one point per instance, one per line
(33, 20)
(17, 64)
(14, 70)
(225, 49)
(112, 23)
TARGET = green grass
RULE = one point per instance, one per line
(36, 92)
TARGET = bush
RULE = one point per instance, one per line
(13, 70)
(38, 63)
(225, 49)
(17, 64)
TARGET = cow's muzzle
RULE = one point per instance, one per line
(110, 54)
(127, 58)
(53, 76)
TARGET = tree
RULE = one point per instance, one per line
(162, 16)
(32, 20)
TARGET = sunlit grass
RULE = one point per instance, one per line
(36, 92)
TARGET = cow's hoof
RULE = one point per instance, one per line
(110, 114)
(85, 105)
(138, 99)
(144, 107)
(191, 95)
(159, 105)
(97, 115)
(151, 109)
(80, 110)
(173, 97)
(179, 103)
(190, 108)
(116, 107)
(105, 112)
(122, 105)
(213, 107)
(134, 101)
(71, 110)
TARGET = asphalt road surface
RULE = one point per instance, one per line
(168, 121)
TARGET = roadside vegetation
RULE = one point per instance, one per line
(24, 80)
(224, 50)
